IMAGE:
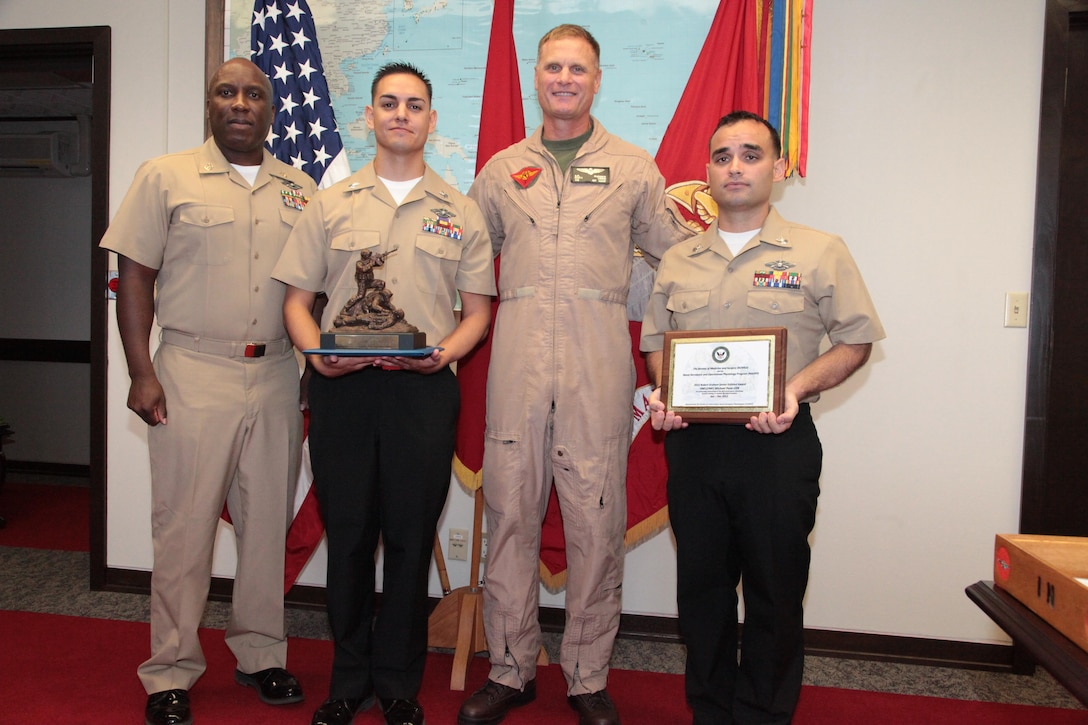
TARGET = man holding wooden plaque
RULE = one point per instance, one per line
(732, 335)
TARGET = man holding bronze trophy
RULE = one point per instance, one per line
(730, 308)
(391, 247)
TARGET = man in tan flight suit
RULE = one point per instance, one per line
(206, 226)
(565, 208)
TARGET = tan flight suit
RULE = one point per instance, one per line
(560, 385)
(234, 429)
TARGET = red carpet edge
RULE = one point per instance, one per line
(80, 670)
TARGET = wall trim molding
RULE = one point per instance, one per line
(818, 642)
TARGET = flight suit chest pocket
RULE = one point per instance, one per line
(437, 258)
(206, 232)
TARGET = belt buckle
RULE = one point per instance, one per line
(254, 349)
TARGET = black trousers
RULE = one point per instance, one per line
(381, 446)
(742, 505)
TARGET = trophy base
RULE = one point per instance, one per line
(373, 340)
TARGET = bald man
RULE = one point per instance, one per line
(221, 397)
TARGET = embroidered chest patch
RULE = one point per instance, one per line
(526, 177)
(590, 175)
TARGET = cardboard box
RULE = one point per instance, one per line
(1048, 575)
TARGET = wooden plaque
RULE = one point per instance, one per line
(724, 376)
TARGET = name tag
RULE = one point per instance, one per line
(590, 174)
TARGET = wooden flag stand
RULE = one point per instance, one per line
(458, 621)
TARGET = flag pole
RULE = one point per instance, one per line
(458, 621)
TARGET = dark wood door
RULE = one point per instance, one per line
(1054, 497)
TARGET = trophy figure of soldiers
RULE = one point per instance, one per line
(369, 320)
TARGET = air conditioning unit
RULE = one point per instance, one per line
(44, 148)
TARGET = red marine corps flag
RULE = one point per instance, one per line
(502, 124)
(755, 58)
(726, 78)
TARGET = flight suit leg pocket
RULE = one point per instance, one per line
(504, 472)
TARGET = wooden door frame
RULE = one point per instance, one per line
(215, 12)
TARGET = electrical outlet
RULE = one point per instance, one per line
(1016, 309)
(483, 546)
(458, 545)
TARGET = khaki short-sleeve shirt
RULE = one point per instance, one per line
(435, 243)
(788, 276)
(213, 239)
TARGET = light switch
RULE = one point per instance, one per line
(1016, 309)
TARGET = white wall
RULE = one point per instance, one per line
(923, 144)
(924, 135)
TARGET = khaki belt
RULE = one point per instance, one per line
(226, 348)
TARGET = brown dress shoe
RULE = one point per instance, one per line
(595, 708)
(489, 704)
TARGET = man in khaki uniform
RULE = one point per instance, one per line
(742, 498)
(205, 226)
(382, 427)
(565, 208)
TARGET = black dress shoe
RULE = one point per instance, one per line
(595, 708)
(489, 704)
(341, 711)
(275, 686)
(402, 712)
(169, 707)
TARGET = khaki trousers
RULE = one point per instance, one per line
(233, 434)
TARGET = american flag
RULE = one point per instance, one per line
(283, 40)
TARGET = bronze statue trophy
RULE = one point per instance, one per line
(369, 321)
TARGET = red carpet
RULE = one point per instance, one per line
(45, 516)
(76, 670)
